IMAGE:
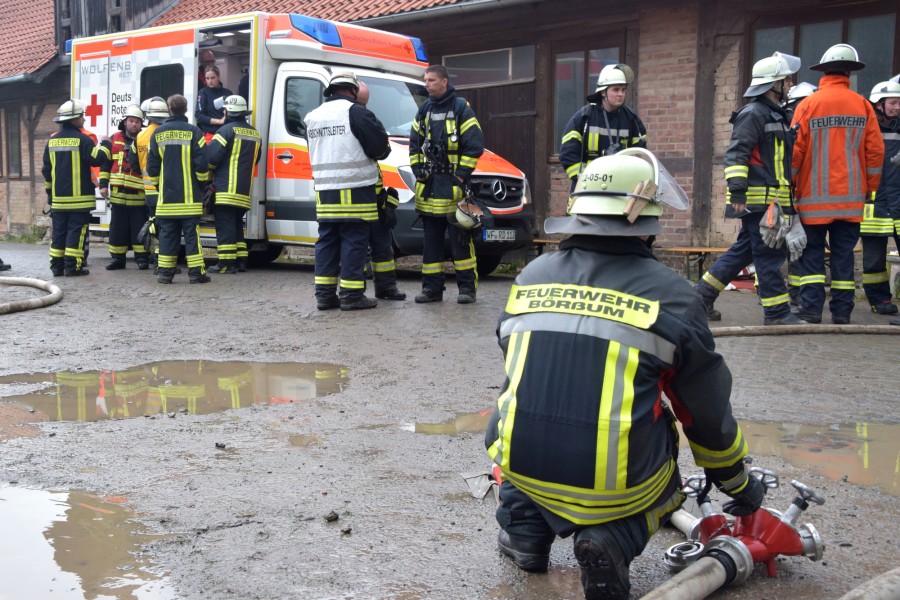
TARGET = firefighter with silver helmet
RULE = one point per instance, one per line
(603, 126)
(881, 218)
(233, 154)
(156, 111)
(591, 335)
(836, 166)
(757, 172)
(68, 156)
(122, 183)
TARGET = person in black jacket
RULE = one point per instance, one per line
(211, 103)
(603, 126)
(592, 335)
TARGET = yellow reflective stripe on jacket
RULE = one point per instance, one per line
(714, 459)
(616, 402)
(583, 300)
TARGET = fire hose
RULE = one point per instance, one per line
(758, 330)
(720, 553)
(54, 294)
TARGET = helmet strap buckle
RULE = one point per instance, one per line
(643, 194)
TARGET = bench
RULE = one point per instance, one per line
(540, 245)
(694, 255)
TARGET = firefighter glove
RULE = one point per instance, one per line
(771, 226)
(49, 197)
(795, 238)
(747, 500)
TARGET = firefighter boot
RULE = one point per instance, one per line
(196, 275)
(4, 266)
(224, 267)
(604, 572)
(242, 265)
(528, 556)
(466, 297)
(56, 267)
(885, 308)
(428, 296)
(143, 262)
(390, 293)
(117, 262)
(76, 272)
(358, 303)
(165, 275)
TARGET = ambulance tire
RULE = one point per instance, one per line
(260, 258)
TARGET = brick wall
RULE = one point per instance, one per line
(728, 98)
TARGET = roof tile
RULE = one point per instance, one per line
(26, 43)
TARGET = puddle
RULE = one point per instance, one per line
(469, 423)
(195, 387)
(309, 439)
(70, 545)
(867, 454)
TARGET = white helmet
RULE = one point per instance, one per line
(69, 110)
(157, 109)
(801, 90)
(133, 111)
(619, 195)
(236, 105)
(342, 79)
(619, 74)
(468, 215)
(885, 89)
(769, 70)
(840, 57)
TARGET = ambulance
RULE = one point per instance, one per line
(287, 60)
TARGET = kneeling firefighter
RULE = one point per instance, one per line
(592, 334)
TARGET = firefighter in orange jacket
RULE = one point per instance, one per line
(836, 165)
(122, 183)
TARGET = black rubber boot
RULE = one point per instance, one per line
(534, 558)
(466, 297)
(242, 265)
(328, 303)
(390, 293)
(4, 266)
(76, 272)
(428, 296)
(360, 303)
(196, 275)
(165, 275)
(117, 262)
(604, 572)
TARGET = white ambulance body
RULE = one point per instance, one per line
(288, 59)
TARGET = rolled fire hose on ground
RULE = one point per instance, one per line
(54, 294)
(757, 330)
(884, 587)
(697, 581)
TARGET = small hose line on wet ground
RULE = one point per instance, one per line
(757, 330)
(884, 587)
(697, 581)
(53, 296)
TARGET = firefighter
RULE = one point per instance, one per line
(604, 125)
(345, 143)
(156, 112)
(383, 266)
(68, 156)
(233, 154)
(444, 145)
(757, 171)
(176, 164)
(121, 182)
(592, 335)
(838, 155)
(881, 218)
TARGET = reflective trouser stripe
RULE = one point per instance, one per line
(715, 283)
(775, 300)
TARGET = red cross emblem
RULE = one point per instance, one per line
(93, 110)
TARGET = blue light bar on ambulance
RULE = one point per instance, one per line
(320, 30)
(420, 49)
(68, 46)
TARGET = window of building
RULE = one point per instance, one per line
(493, 67)
(162, 81)
(301, 95)
(576, 77)
(13, 143)
(871, 35)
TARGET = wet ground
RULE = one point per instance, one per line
(229, 420)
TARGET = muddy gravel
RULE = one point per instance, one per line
(352, 489)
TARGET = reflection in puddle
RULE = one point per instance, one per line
(195, 387)
(72, 545)
(471, 423)
(867, 454)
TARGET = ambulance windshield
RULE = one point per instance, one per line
(395, 103)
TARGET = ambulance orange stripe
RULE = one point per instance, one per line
(137, 42)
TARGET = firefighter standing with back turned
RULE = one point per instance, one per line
(68, 156)
(757, 170)
(176, 164)
(122, 183)
(444, 145)
(592, 335)
(157, 111)
(233, 154)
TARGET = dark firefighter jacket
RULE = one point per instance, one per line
(593, 335)
(68, 156)
(882, 218)
(444, 145)
(176, 163)
(758, 159)
(124, 179)
(234, 152)
(602, 129)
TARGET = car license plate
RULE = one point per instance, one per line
(499, 235)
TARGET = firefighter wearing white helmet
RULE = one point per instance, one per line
(70, 190)
(798, 93)
(604, 125)
(346, 140)
(757, 173)
(881, 218)
(837, 163)
(603, 299)
(156, 111)
(122, 183)
(232, 155)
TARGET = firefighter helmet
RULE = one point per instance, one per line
(69, 110)
(801, 90)
(157, 110)
(619, 195)
(618, 74)
(236, 105)
(770, 70)
(885, 89)
(468, 215)
(133, 111)
(840, 57)
(342, 79)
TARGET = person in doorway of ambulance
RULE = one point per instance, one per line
(346, 141)
(445, 143)
(837, 160)
(207, 59)
(604, 125)
(211, 103)
(122, 183)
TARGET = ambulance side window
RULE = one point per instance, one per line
(162, 81)
(301, 95)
